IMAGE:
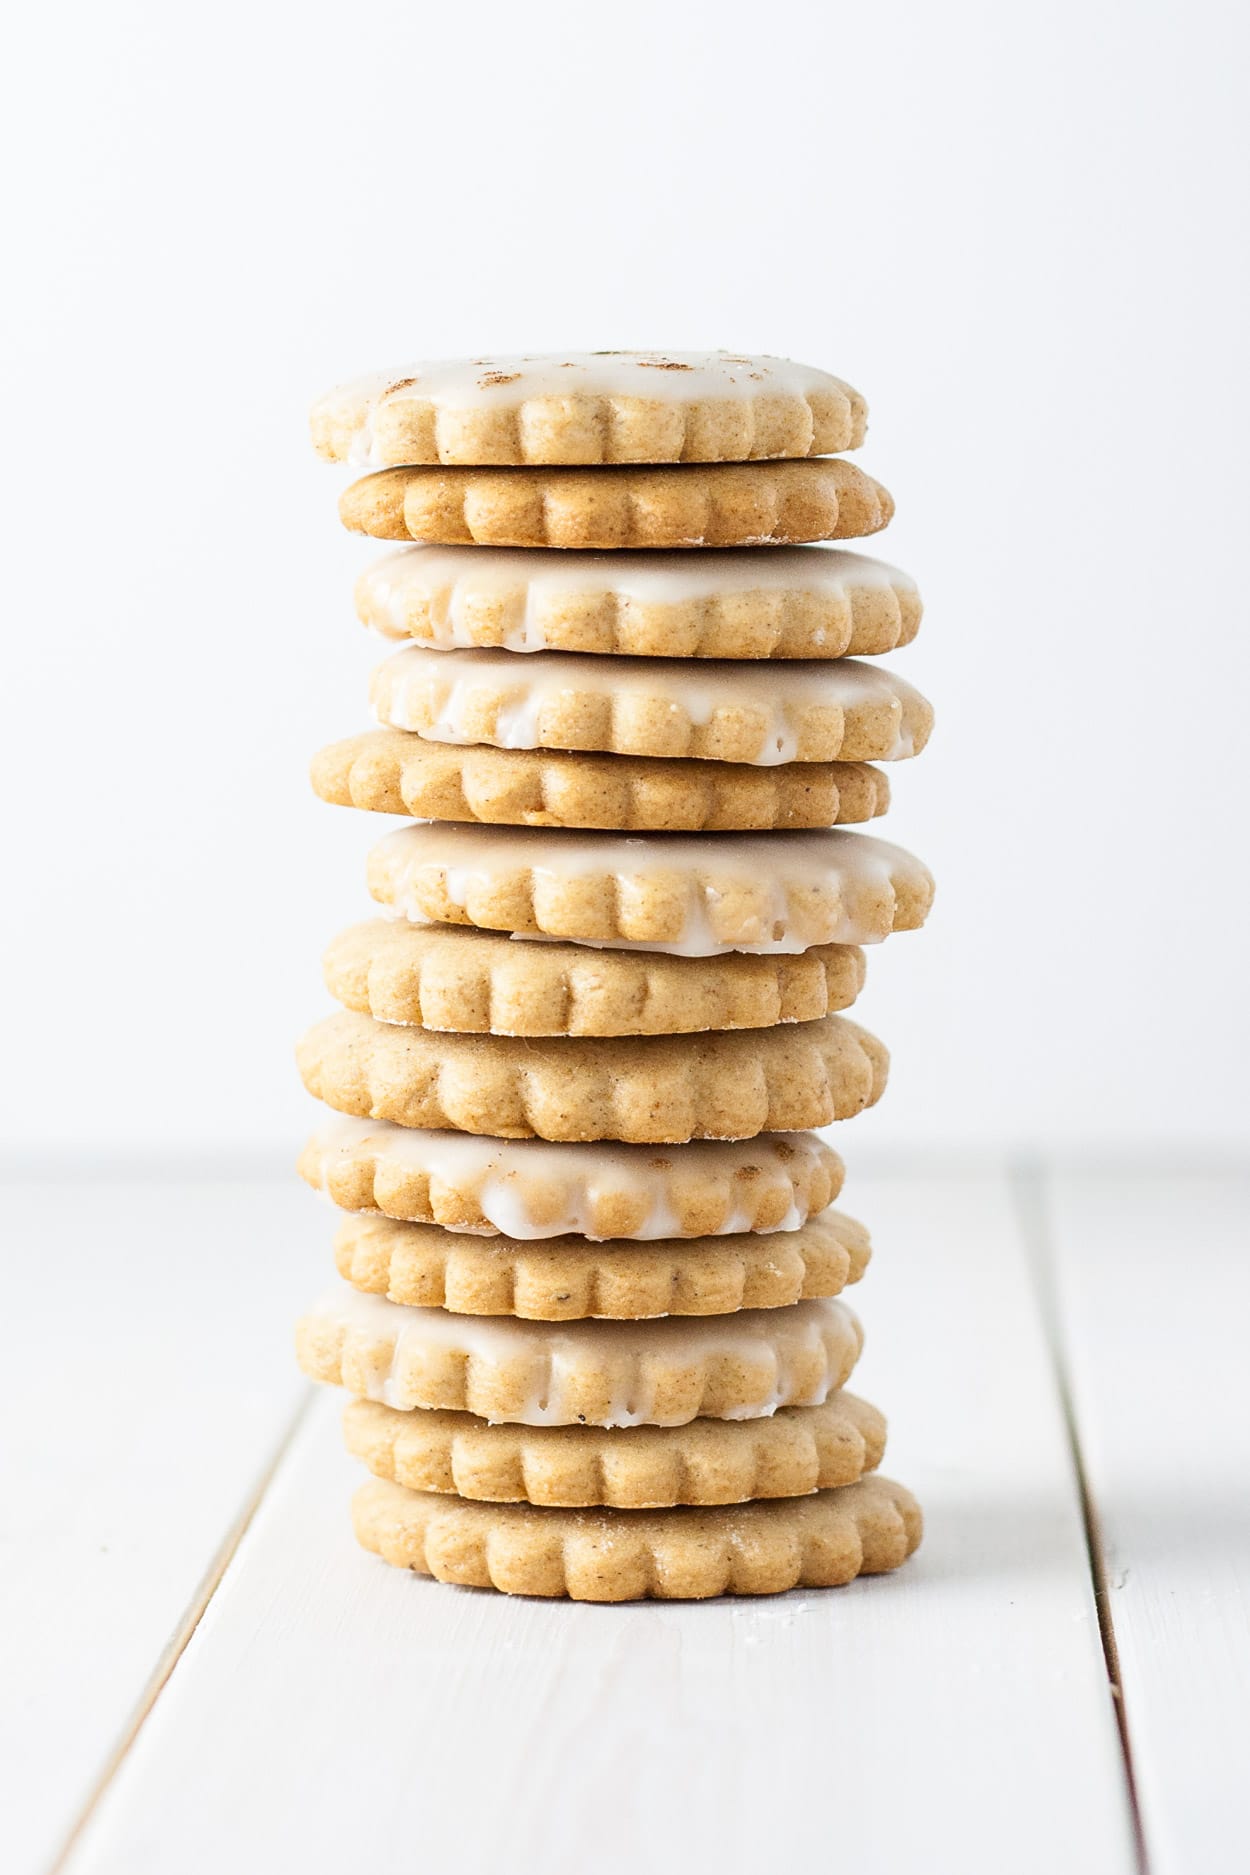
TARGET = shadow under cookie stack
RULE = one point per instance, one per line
(591, 1309)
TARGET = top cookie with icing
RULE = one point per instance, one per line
(573, 408)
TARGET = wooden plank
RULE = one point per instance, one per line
(146, 1382)
(1154, 1300)
(332, 1713)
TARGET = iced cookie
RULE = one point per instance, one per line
(389, 771)
(693, 896)
(531, 1188)
(568, 1279)
(838, 711)
(709, 1461)
(480, 982)
(655, 1373)
(657, 1089)
(589, 407)
(622, 1555)
(722, 505)
(792, 602)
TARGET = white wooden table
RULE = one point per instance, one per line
(202, 1672)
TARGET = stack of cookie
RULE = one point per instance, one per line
(591, 1309)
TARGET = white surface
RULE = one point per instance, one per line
(329, 1712)
(1155, 1289)
(1017, 229)
(141, 1407)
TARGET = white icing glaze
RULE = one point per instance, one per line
(839, 881)
(423, 689)
(514, 1181)
(816, 1336)
(506, 381)
(447, 581)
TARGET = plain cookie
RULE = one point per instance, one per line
(567, 1279)
(473, 982)
(721, 505)
(649, 1090)
(684, 1554)
(799, 1450)
(388, 771)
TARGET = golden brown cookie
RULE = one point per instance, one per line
(722, 505)
(468, 981)
(798, 1450)
(590, 407)
(791, 602)
(657, 1089)
(840, 711)
(654, 1373)
(532, 1188)
(567, 1279)
(695, 895)
(391, 772)
(685, 1554)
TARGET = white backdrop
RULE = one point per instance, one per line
(1020, 231)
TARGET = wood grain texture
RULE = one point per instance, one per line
(141, 1405)
(1153, 1287)
(330, 1712)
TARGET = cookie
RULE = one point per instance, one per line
(839, 711)
(589, 407)
(567, 1279)
(799, 1450)
(391, 772)
(721, 505)
(685, 1554)
(695, 897)
(457, 978)
(792, 602)
(657, 1089)
(470, 1182)
(655, 1373)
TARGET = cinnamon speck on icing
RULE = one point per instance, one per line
(499, 377)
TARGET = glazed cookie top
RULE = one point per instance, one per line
(535, 1189)
(792, 602)
(742, 1366)
(589, 407)
(839, 710)
(693, 895)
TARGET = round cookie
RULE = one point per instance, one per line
(567, 1279)
(388, 771)
(685, 1554)
(792, 602)
(694, 896)
(457, 978)
(655, 1373)
(532, 1188)
(589, 407)
(657, 1089)
(838, 711)
(798, 1450)
(722, 505)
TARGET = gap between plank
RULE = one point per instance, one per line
(178, 1641)
(1027, 1179)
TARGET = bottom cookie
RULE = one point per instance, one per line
(623, 1555)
